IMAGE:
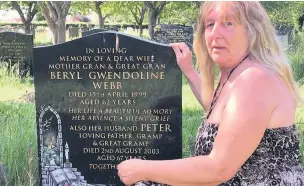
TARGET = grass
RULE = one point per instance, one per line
(42, 39)
(11, 85)
(18, 147)
(18, 141)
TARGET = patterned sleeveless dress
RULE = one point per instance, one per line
(276, 161)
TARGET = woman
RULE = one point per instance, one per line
(248, 136)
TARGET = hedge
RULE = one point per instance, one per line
(78, 24)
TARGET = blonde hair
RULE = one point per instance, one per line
(263, 46)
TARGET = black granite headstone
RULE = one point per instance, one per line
(102, 99)
(17, 48)
(97, 30)
(174, 34)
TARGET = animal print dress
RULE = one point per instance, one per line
(276, 161)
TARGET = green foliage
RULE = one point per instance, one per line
(39, 16)
(6, 5)
(110, 9)
(120, 12)
(81, 7)
(284, 12)
(133, 6)
(86, 7)
(295, 55)
(181, 12)
(279, 12)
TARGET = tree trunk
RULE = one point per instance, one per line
(152, 22)
(101, 22)
(99, 13)
(140, 29)
(100, 19)
(54, 32)
(158, 20)
(55, 13)
(27, 28)
(61, 32)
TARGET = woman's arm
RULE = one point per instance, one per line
(184, 61)
(243, 124)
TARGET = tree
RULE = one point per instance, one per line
(26, 10)
(286, 13)
(298, 15)
(279, 12)
(138, 11)
(97, 6)
(155, 8)
(101, 18)
(55, 13)
(181, 12)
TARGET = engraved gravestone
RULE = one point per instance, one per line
(17, 49)
(102, 99)
(174, 34)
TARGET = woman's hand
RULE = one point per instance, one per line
(183, 57)
(131, 171)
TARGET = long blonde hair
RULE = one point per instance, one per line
(263, 46)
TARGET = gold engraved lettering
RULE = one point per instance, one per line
(102, 166)
(65, 75)
(107, 85)
(155, 127)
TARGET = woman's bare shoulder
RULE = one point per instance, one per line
(256, 74)
(256, 80)
(265, 87)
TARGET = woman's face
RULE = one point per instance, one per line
(226, 39)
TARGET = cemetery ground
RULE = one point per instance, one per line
(18, 147)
